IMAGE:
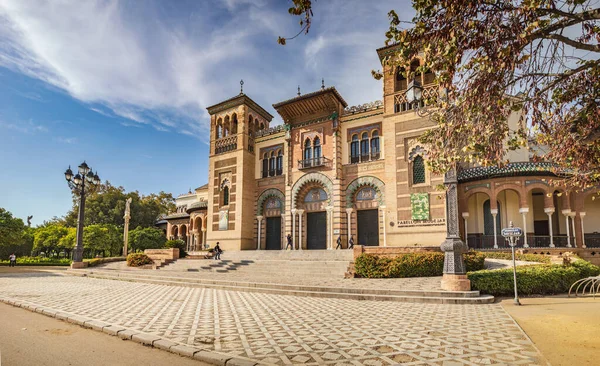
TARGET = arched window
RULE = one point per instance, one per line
(364, 147)
(418, 170)
(225, 195)
(401, 83)
(262, 126)
(279, 163)
(375, 145)
(219, 129)
(354, 150)
(226, 127)
(317, 151)
(272, 164)
(251, 128)
(256, 125)
(234, 124)
(307, 153)
(265, 166)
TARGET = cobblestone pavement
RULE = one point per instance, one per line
(278, 329)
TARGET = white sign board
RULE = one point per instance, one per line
(512, 231)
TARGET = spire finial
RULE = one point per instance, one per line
(322, 84)
(242, 86)
(298, 90)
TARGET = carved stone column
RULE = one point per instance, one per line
(259, 218)
(572, 216)
(329, 227)
(524, 211)
(203, 236)
(300, 228)
(549, 211)
(581, 216)
(455, 278)
(494, 212)
(349, 214)
(293, 228)
(465, 216)
(382, 210)
(567, 213)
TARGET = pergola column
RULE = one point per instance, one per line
(349, 214)
(567, 213)
(572, 216)
(581, 216)
(524, 211)
(300, 228)
(549, 211)
(293, 211)
(382, 210)
(329, 227)
(203, 236)
(465, 216)
(494, 212)
(259, 218)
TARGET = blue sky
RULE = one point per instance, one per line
(125, 84)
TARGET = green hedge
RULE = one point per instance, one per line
(96, 261)
(39, 261)
(138, 259)
(543, 279)
(419, 264)
(526, 257)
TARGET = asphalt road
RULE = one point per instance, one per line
(28, 338)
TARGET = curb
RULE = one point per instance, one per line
(146, 339)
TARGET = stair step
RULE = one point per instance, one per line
(466, 297)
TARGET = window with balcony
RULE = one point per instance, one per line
(364, 147)
(279, 163)
(272, 164)
(225, 196)
(354, 150)
(307, 153)
(317, 151)
(265, 166)
(375, 155)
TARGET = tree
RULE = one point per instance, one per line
(12, 234)
(539, 57)
(106, 205)
(48, 239)
(102, 239)
(146, 238)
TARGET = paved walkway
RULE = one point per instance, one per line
(277, 329)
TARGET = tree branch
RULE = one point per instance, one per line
(572, 43)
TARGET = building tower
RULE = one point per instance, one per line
(234, 124)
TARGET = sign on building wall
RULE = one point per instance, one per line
(224, 220)
(419, 203)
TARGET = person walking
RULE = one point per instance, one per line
(12, 260)
(339, 243)
(289, 242)
(351, 242)
(218, 252)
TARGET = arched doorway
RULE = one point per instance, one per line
(272, 212)
(316, 218)
(174, 232)
(367, 217)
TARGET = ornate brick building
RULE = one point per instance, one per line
(334, 171)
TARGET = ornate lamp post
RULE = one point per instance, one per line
(79, 183)
(455, 277)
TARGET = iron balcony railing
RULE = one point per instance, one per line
(592, 240)
(313, 162)
(355, 159)
(476, 241)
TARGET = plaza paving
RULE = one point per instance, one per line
(278, 329)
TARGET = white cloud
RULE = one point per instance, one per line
(131, 60)
(27, 127)
(66, 140)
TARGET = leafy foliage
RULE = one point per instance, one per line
(103, 238)
(410, 265)
(138, 259)
(536, 60)
(39, 261)
(146, 238)
(537, 279)
(96, 261)
(15, 237)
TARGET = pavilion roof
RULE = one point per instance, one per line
(326, 99)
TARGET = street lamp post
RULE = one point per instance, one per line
(78, 183)
(454, 278)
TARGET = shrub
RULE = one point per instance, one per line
(425, 264)
(518, 256)
(39, 261)
(177, 244)
(96, 261)
(540, 279)
(138, 259)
